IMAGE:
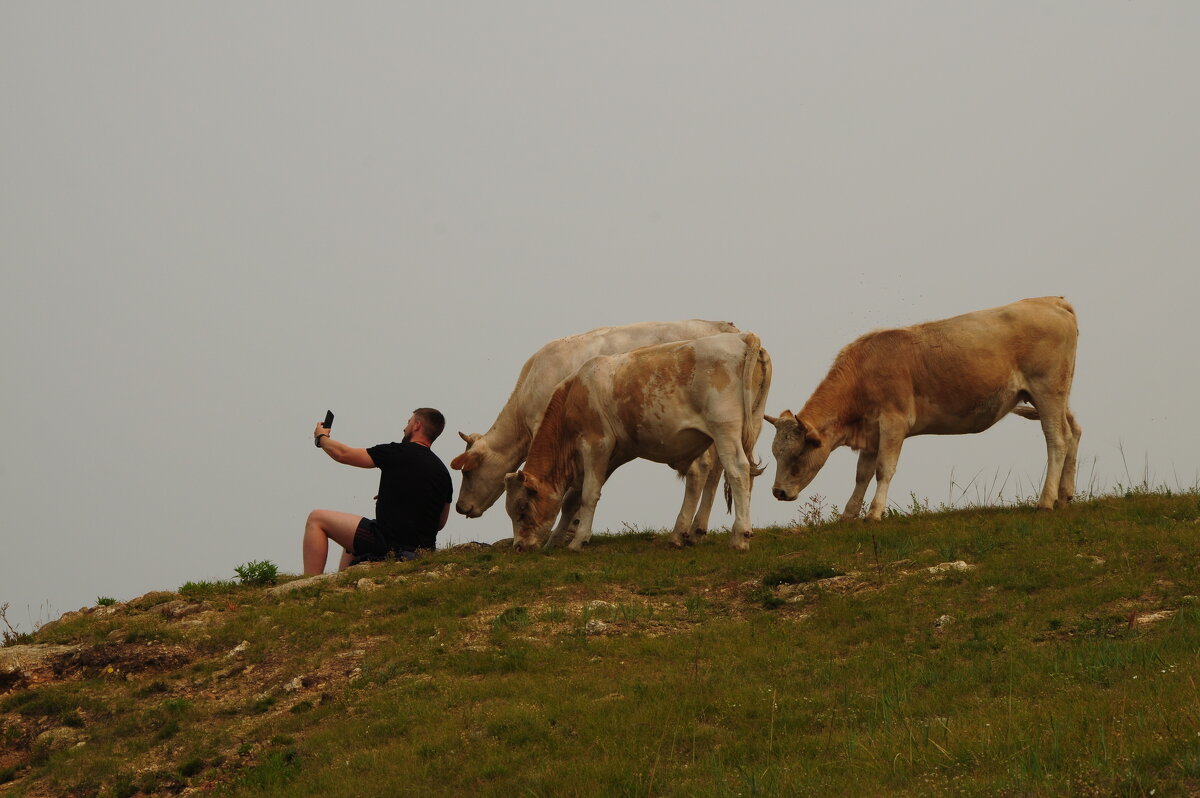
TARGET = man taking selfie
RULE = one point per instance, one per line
(411, 508)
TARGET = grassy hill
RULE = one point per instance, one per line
(974, 652)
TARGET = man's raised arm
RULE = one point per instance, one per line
(340, 451)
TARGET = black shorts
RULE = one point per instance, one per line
(370, 544)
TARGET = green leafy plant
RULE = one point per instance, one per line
(257, 572)
(105, 601)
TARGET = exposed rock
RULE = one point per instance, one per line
(58, 739)
(1145, 619)
(238, 650)
(300, 584)
(943, 621)
(24, 665)
(472, 546)
(178, 609)
(366, 584)
(957, 565)
(299, 683)
(595, 627)
(152, 599)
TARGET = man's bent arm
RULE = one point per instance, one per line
(341, 452)
(445, 515)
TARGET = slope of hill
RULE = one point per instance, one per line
(976, 652)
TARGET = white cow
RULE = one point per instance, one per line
(668, 403)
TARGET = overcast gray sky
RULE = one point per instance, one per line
(219, 219)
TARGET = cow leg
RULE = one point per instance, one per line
(700, 523)
(862, 478)
(1066, 487)
(737, 476)
(693, 481)
(570, 509)
(595, 469)
(1052, 410)
(891, 439)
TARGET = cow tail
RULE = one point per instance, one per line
(754, 397)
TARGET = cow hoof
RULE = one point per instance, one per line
(699, 533)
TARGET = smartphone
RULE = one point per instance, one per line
(328, 419)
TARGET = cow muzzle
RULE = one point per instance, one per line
(782, 495)
(467, 509)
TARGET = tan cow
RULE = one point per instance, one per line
(502, 448)
(667, 403)
(947, 377)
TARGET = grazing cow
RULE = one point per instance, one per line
(947, 377)
(502, 448)
(667, 403)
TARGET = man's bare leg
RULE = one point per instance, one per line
(323, 526)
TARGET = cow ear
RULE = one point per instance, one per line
(465, 461)
(809, 433)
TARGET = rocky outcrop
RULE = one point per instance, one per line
(22, 666)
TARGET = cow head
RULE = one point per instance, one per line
(483, 473)
(799, 454)
(532, 505)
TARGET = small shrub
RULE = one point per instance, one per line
(273, 774)
(205, 588)
(512, 618)
(10, 636)
(191, 767)
(799, 573)
(767, 598)
(123, 787)
(105, 601)
(257, 573)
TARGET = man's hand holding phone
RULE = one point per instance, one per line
(323, 429)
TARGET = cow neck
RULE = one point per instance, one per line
(833, 407)
(508, 434)
(550, 457)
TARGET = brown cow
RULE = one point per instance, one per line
(502, 448)
(947, 377)
(667, 403)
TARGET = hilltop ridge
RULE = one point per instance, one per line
(989, 650)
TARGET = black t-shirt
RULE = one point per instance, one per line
(414, 487)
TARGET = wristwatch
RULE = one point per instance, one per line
(317, 439)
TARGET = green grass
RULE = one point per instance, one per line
(826, 660)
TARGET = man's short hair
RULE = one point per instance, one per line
(432, 421)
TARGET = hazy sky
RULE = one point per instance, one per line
(219, 219)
